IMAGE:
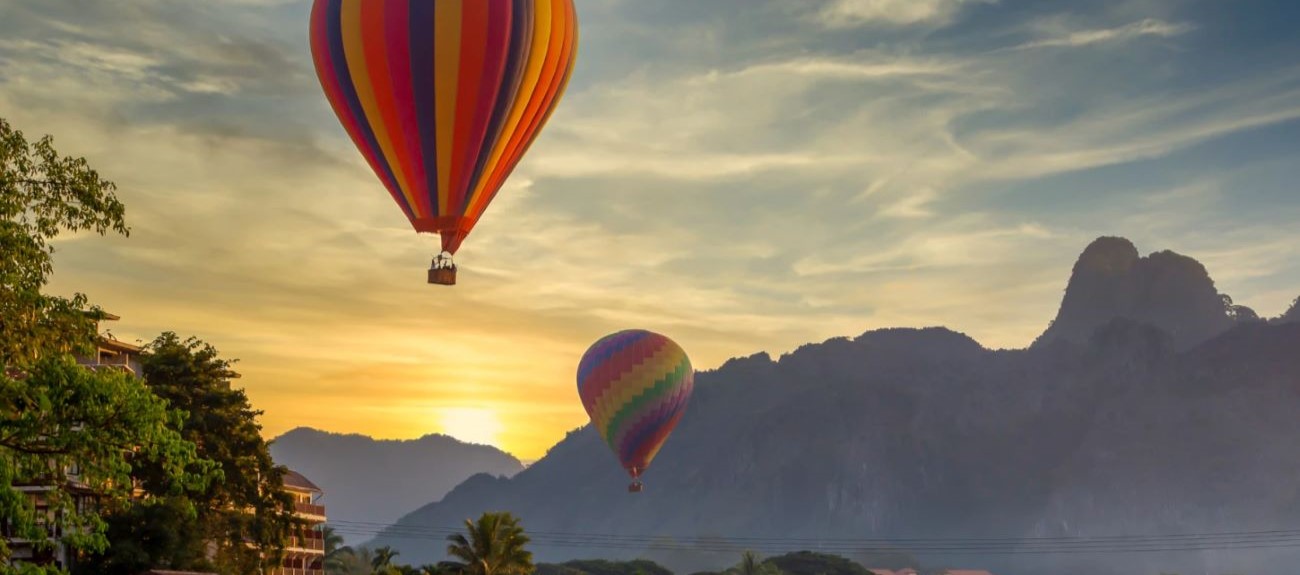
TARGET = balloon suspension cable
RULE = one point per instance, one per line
(636, 486)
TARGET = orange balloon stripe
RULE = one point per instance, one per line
(443, 98)
(553, 93)
(397, 42)
(447, 33)
(493, 179)
(354, 47)
(331, 66)
(545, 82)
(376, 55)
(473, 51)
(538, 37)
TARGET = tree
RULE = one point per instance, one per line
(1292, 314)
(248, 515)
(69, 431)
(604, 567)
(752, 564)
(334, 548)
(77, 433)
(43, 194)
(494, 546)
(240, 523)
(351, 561)
(153, 533)
(383, 560)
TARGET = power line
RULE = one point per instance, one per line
(1276, 539)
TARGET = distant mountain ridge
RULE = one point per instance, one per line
(378, 480)
(1111, 280)
(1140, 411)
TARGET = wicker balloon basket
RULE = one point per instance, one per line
(442, 271)
(442, 276)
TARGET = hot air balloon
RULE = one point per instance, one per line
(443, 97)
(635, 385)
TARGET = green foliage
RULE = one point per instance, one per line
(43, 194)
(382, 562)
(752, 564)
(603, 567)
(156, 532)
(59, 417)
(494, 546)
(556, 569)
(56, 417)
(350, 561)
(247, 514)
(809, 563)
(334, 549)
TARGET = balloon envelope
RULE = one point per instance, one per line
(635, 385)
(443, 97)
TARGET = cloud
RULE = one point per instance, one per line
(853, 13)
(1078, 38)
(742, 180)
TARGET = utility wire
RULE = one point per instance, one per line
(1275, 539)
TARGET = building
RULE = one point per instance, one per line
(109, 354)
(305, 552)
(24, 550)
(114, 354)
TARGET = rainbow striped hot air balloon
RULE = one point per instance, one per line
(635, 385)
(443, 97)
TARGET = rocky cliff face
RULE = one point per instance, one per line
(1160, 418)
(1168, 290)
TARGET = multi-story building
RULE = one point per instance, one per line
(109, 354)
(305, 553)
(114, 354)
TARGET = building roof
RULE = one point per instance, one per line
(109, 342)
(295, 480)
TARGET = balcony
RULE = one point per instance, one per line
(299, 571)
(309, 509)
(307, 544)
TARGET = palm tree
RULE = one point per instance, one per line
(495, 546)
(334, 549)
(752, 564)
(383, 560)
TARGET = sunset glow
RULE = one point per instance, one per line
(826, 169)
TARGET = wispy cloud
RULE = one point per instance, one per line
(852, 13)
(1143, 28)
(774, 180)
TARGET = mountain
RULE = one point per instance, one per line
(376, 481)
(1165, 289)
(1140, 412)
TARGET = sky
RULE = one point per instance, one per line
(740, 175)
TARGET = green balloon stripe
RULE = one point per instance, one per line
(661, 387)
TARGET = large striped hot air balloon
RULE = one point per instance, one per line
(635, 385)
(443, 97)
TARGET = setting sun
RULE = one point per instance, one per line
(470, 424)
